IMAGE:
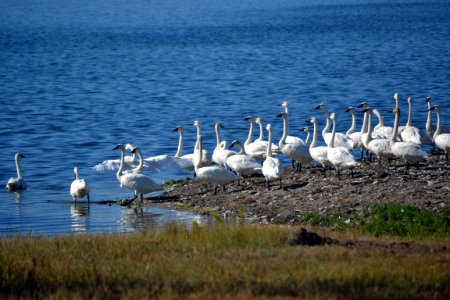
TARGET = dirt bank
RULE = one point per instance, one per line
(307, 191)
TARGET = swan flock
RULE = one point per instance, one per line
(263, 158)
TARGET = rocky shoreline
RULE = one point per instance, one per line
(308, 191)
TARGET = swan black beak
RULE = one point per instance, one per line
(318, 107)
(280, 115)
(248, 118)
(116, 147)
(361, 105)
(428, 99)
(348, 109)
(365, 110)
(21, 155)
(176, 129)
(432, 108)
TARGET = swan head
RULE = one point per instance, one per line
(120, 147)
(436, 108)
(129, 147)
(312, 120)
(284, 104)
(235, 143)
(282, 115)
(333, 116)
(322, 106)
(269, 127)
(396, 96)
(219, 125)
(179, 129)
(409, 99)
(306, 129)
(19, 155)
(258, 120)
(363, 105)
(428, 99)
(367, 110)
(350, 109)
(249, 118)
(196, 123)
(135, 149)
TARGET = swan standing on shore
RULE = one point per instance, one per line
(206, 159)
(442, 140)
(136, 182)
(340, 140)
(256, 149)
(186, 161)
(272, 168)
(297, 150)
(17, 184)
(340, 157)
(241, 163)
(215, 174)
(79, 187)
(382, 130)
(259, 121)
(379, 146)
(410, 152)
(318, 153)
(221, 154)
(429, 127)
(413, 134)
(308, 134)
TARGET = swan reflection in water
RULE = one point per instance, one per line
(153, 218)
(79, 213)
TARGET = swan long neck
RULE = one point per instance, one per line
(438, 126)
(75, 170)
(217, 135)
(269, 145)
(328, 124)
(261, 131)
(333, 134)
(369, 127)
(19, 170)
(395, 131)
(353, 127)
(409, 123)
(380, 118)
(364, 124)
(250, 134)
(180, 143)
(122, 160)
(242, 151)
(308, 135)
(429, 124)
(285, 130)
(141, 160)
(315, 133)
(199, 153)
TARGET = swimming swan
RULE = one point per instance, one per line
(214, 174)
(318, 153)
(221, 154)
(340, 157)
(79, 187)
(271, 168)
(17, 184)
(297, 151)
(113, 164)
(136, 182)
(408, 151)
(442, 140)
(241, 163)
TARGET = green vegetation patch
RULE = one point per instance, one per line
(388, 219)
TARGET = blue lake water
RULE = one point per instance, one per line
(79, 77)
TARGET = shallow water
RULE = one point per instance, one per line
(79, 77)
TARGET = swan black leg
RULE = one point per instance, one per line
(293, 164)
(352, 173)
(224, 188)
(338, 174)
(215, 190)
(89, 199)
(324, 172)
(281, 184)
(267, 184)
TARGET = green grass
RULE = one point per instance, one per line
(239, 261)
(390, 219)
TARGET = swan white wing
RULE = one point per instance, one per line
(320, 155)
(16, 184)
(79, 188)
(381, 148)
(294, 140)
(108, 165)
(216, 175)
(408, 151)
(443, 142)
(341, 157)
(243, 164)
(340, 140)
(139, 183)
(272, 168)
(411, 134)
(297, 152)
(384, 131)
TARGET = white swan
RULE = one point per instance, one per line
(221, 154)
(256, 149)
(136, 182)
(429, 127)
(215, 174)
(206, 159)
(318, 153)
(79, 187)
(17, 184)
(241, 163)
(290, 138)
(353, 135)
(340, 157)
(408, 151)
(187, 160)
(259, 121)
(379, 146)
(130, 162)
(382, 130)
(340, 140)
(297, 151)
(413, 134)
(442, 140)
(271, 168)
(308, 134)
